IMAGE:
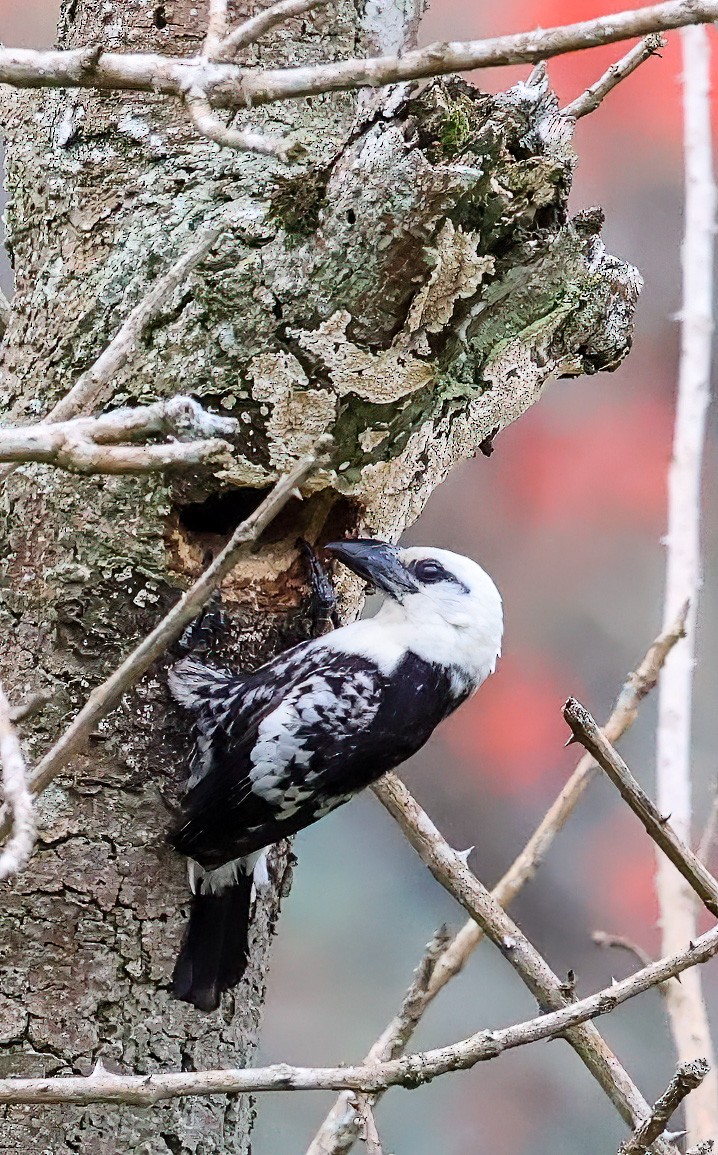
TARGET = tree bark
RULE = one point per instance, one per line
(409, 287)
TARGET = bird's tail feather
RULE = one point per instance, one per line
(215, 949)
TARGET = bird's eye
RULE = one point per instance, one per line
(430, 571)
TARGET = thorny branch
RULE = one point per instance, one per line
(411, 1071)
(585, 731)
(338, 1131)
(451, 871)
(589, 100)
(107, 696)
(18, 798)
(686, 1079)
(94, 444)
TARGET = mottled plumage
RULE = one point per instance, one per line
(278, 749)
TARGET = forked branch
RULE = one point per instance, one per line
(95, 444)
(339, 1129)
(411, 1071)
(686, 1079)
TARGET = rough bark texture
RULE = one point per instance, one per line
(410, 288)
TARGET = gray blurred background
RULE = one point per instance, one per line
(567, 516)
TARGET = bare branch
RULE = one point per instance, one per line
(707, 838)
(233, 86)
(18, 798)
(585, 730)
(216, 27)
(338, 1131)
(5, 313)
(259, 25)
(450, 870)
(372, 1142)
(411, 1071)
(88, 390)
(619, 942)
(342, 1125)
(90, 444)
(208, 124)
(107, 696)
(686, 1079)
(589, 100)
(32, 705)
(687, 1012)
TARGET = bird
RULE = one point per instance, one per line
(280, 748)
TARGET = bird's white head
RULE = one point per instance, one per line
(441, 605)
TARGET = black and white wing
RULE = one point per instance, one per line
(287, 751)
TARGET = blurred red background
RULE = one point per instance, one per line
(567, 515)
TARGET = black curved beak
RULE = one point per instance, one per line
(377, 562)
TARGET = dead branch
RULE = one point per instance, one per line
(687, 1012)
(216, 27)
(208, 124)
(18, 798)
(338, 1131)
(92, 444)
(5, 312)
(232, 86)
(707, 838)
(590, 100)
(106, 697)
(620, 942)
(412, 1071)
(32, 705)
(657, 825)
(686, 1079)
(450, 870)
(370, 1133)
(257, 26)
(89, 389)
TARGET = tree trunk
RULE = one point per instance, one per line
(409, 287)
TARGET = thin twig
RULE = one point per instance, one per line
(234, 86)
(450, 870)
(5, 313)
(707, 838)
(258, 26)
(372, 1142)
(107, 696)
(216, 27)
(687, 1013)
(410, 1071)
(18, 798)
(589, 100)
(208, 124)
(338, 1131)
(92, 444)
(342, 1125)
(698, 877)
(687, 1077)
(620, 942)
(88, 391)
(30, 706)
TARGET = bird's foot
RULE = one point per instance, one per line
(323, 599)
(210, 625)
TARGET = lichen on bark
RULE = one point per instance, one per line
(409, 288)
